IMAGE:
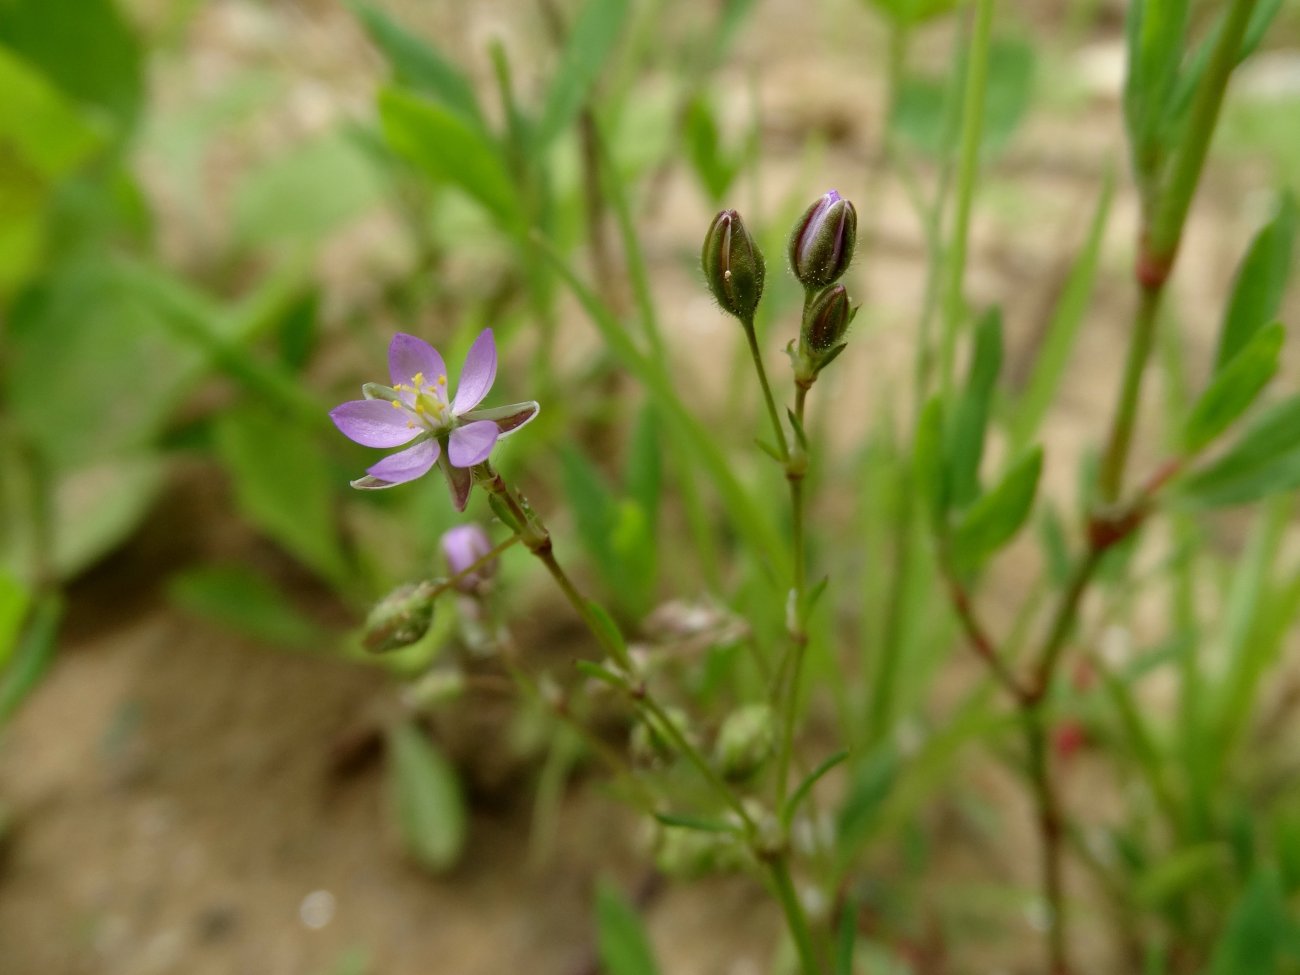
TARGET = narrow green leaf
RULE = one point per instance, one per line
(643, 468)
(680, 821)
(32, 657)
(993, 520)
(594, 510)
(1067, 318)
(1175, 875)
(1256, 930)
(609, 631)
(448, 148)
(1260, 282)
(1264, 460)
(846, 937)
(419, 65)
(589, 668)
(590, 43)
(928, 459)
(242, 599)
(797, 797)
(99, 506)
(623, 944)
(14, 601)
(967, 433)
(427, 797)
(1234, 388)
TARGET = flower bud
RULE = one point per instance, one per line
(400, 618)
(822, 243)
(827, 319)
(745, 742)
(463, 546)
(652, 744)
(733, 265)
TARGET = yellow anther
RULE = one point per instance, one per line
(442, 380)
(417, 380)
(395, 405)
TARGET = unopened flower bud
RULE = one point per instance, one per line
(463, 546)
(822, 243)
(400, 618)
(688, 853)
(745, 742)
(651, 743)
(827, 319)
(733, 265)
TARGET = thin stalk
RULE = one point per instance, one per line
(793, 672)
(783, 448)
(1051, 828)
(1111, 478)
(976, 83)
(795, 917)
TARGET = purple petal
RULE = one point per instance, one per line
(472, 443)
(463, 546)
(401, 467)
(478, 375)
(507, 418)
(374, 423)
(460, 480)
(408, 355)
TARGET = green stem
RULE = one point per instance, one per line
(783, 448)
(1111, 478)
(977, 70)
(792, 671)
(795, 917)
(1051, 828)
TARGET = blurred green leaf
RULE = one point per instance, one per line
(1234, 388)
(284, 485)
(715, 169)
(870, 784)
(1155, 31)
(993, 520)
(427, 796)
(32, 656)
(85, 47)
(14, 601)
(1256, 931)
(1264, 460)
(243, 600)
(920, 112)
(420, 66)
(448, 148)
(1062, 330)
(1260, 20)
(591, 41)
(1175, 875)
(305, 194)
(1260, 283)
(593, 505)
(928, 459)
(970, 419)
(623, 944)
(908, 13)
(96, 508)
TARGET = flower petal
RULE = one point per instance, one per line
(408, 355)
(374, 423)
(471, 444)
(460, 480)
(507, 418)
(479, 373)
(401, 467)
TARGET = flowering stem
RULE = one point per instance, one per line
(976, 81)
(794, 916)
(782, 446)
(796, 466)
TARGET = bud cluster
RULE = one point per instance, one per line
(821, 249)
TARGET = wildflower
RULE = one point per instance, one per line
(463, 546)
(821, 246)
(418, 410)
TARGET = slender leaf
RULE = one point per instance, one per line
(247, 602)
(427, 797)
(1260, 282)
(590, 43)
(1234, 388)
(419, 65)
(1258, 927)
(993, 520)
(32, 656)
(970, 420)
(448, 148)
(1264, 460)
(623, 945)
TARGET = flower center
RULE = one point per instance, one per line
(425, 403)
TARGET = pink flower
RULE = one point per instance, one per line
(463, 546)
(418, 410)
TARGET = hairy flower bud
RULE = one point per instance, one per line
(400, 618)
(827, 319)
(822, 243)
(733, 265)
(745, 742)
